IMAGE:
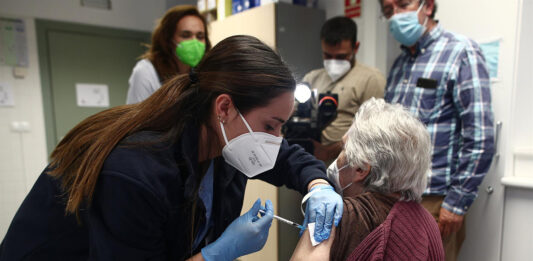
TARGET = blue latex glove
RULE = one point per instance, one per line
(246, 234)
(324, 208)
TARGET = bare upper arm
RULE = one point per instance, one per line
(305, 251)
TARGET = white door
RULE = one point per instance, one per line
(517, 241)
(491, 20)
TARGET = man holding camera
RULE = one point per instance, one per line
(353, 82)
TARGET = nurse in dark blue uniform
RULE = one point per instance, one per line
(164, 179)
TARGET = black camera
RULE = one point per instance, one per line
(312, 115)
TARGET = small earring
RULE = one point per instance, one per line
(220, 119)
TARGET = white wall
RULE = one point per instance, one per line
(492, 19)
(517, 228)
(522, 143)
(23, 155)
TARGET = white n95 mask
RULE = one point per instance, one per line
(337, 68)
(333, 174)
(251, 153)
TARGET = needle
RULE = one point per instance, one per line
(284, 220)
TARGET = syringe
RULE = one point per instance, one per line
(294, 224)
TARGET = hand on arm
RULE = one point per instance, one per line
(324, 208)
(299, 170)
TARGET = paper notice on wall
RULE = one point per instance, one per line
(491, 51)
(201, 5)
(13, 45)
(7, 98)
(92, 95)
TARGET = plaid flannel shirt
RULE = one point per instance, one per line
(455, 105)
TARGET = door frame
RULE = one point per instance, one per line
(43, 27)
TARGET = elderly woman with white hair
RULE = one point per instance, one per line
(381, 174)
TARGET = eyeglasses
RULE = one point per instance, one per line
(399, 6)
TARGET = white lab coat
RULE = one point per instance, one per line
(143, 82)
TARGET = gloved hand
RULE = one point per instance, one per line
(324, 207)
(246, 234)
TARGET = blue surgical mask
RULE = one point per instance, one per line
(491, 50)
(405, 27)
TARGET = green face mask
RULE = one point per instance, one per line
(190, 52)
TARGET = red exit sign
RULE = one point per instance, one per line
(352, 8)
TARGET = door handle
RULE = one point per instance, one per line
(497, 134)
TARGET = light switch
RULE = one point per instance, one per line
(20, 72)
(24, 126)
(20, 126)
(15, 126)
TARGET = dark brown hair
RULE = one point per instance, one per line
(161, 51)
(241, 66)
(433, 12)
(337, 29)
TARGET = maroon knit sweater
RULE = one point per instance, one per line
(408, 233)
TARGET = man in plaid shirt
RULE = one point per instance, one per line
(442, 78)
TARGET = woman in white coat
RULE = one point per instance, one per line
(179, 42)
